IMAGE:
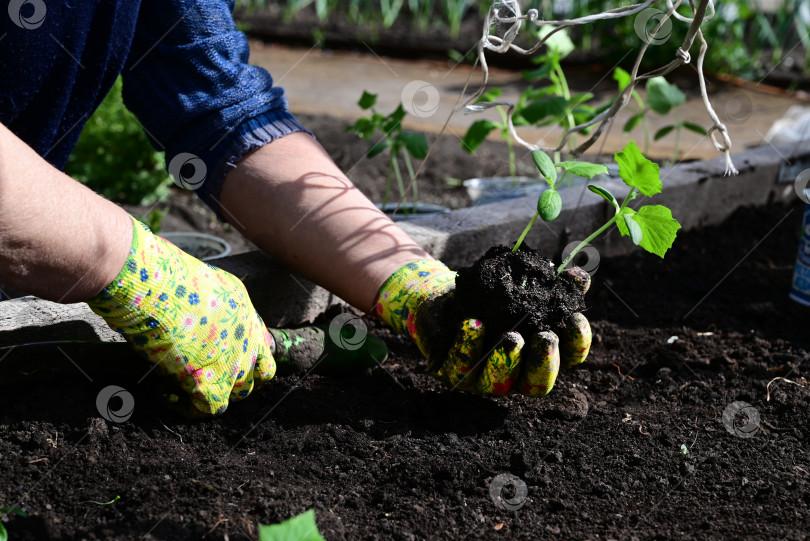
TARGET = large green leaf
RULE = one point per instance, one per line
(663, 96)
(367, 100)
(300, 528)
(638, 171)
(415, 143)
(476, 134)
(543, 108)
(658, 227)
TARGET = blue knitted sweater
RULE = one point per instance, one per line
(185, 72)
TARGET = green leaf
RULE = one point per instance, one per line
(632, 122)
(476, 134)
(300, 528)
(658, 228)
(583, 169)
(638, 171)
(600, 191)
(560, 43)
(415, 143)
(364, 127)
(663, 132)
(393, 122)
(538, 74)
(663, 96)
(367, 100)
(579, 98)
(13, 510)
(549, 205)
(691, 126)
(377, 148)
(542, 108)
(622, 77)
(633, 228)
(545, 165)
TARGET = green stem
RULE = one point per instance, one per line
(678, 124)
(412, 175)
(400, 183)
(565, 172)
(525, 232)
(388, 177)
(630, 195)
(584, 243)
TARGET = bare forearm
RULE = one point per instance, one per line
(292, 201)
(58, 239)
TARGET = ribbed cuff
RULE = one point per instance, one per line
(250, 135)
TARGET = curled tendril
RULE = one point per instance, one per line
(508, 12)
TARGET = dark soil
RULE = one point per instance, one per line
(391, 454)
(517, 290)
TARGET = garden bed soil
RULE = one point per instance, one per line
(391, 454)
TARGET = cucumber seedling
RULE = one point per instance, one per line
(650, 226)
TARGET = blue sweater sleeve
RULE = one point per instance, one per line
(188, 81)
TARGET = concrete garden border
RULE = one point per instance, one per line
(697, 193)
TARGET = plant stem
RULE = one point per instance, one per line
(584, 243)
(630, 195)
(525, 232)
(409, 166)
(398, 174)
(388, 176)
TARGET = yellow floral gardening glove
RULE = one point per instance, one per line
(195, 321)
(414, 301)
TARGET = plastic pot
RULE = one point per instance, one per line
(201, 245)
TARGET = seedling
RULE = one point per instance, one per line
(480, 129)
(397, 141)
(301, 528)
(683, 452)
(12, 510)
(663, 98)
(651, 226)
(558, 106)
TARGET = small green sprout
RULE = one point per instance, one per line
(12, 510)
(683, 452)
(104, 503)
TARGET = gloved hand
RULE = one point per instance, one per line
(195, 321)
(414, 301)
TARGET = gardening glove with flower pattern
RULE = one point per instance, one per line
(195, 321)
(413, 301)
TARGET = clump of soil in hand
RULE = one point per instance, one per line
(516, 291)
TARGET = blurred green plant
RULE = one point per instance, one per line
(114, 158)
(397, 141)
(11, 511)
(664, 98)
